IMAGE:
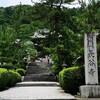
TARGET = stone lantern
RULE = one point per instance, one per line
(64, 65)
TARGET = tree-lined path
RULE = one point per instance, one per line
(50, 29)
(39, 83)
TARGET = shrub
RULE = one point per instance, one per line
(21, 64)
(21, 71)
(17, 65)
(55, 69)
(71, 78)
(7, 66)
(14, 78)
(4, 78)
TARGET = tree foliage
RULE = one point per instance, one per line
(64, 38)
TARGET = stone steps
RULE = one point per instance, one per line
(43, 83)
(37, 68)
(39, 71)
(39, 77)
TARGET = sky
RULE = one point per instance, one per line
(6, 3)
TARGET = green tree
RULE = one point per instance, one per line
(7, 40)
(61, 23)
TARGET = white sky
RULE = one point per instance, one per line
(6, 3)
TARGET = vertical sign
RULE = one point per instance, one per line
(91, 71)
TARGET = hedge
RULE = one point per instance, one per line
(14, 78)
(21, 71)
(71, 78)
(4, 78)
(7, 66)
(55, 69)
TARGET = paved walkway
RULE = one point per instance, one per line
(35, 91)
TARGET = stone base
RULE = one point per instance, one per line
(90, 91)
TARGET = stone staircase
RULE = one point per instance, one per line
(39, 71)
(41, 83)
(37, 85)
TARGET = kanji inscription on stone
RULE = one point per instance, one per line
(90, 58)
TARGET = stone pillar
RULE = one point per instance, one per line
(91, 89)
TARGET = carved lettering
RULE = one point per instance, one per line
(91, 54)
